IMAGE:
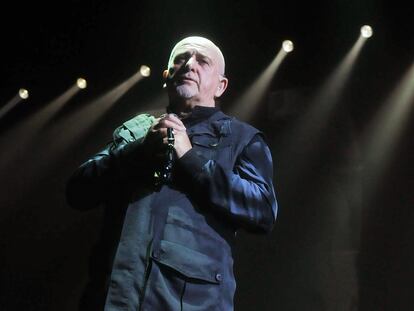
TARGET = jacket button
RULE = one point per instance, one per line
(219, 277)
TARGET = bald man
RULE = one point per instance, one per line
(174, 247)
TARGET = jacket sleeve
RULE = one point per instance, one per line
(246, 194)
(105, 174)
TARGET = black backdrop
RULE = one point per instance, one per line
(335, 247)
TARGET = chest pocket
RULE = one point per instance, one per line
(214, 146)
(206, 145)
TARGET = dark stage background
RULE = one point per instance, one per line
(343, 240)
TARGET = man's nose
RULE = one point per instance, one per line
(190, 62)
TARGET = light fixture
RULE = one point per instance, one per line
(287, 46)
(81, 83)
(23, 93)
(145, 71)
(366, 31)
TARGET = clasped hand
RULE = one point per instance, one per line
(156, 138)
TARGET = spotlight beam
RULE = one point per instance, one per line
(22, 94)
(30, 130)
(306, 133)
(334, 86)
(381, 137)
(10, 105)
(251, 98)
(324, 102)
(89, 115)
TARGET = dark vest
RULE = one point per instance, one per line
(177, 228)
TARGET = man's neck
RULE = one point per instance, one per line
(185, 106)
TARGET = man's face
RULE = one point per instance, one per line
(197, 69)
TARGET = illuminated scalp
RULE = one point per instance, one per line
(203, 45)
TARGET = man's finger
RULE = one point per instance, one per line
(165, 123)
(173, 118)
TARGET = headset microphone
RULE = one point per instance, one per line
(168, 75)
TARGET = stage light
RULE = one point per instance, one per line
(287, 46)
(23, 93)
(366, 31)
(145, 71)
(81, 83)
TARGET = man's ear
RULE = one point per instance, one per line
(221, 87)
(165, 74)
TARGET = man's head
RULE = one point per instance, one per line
(196, 72)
